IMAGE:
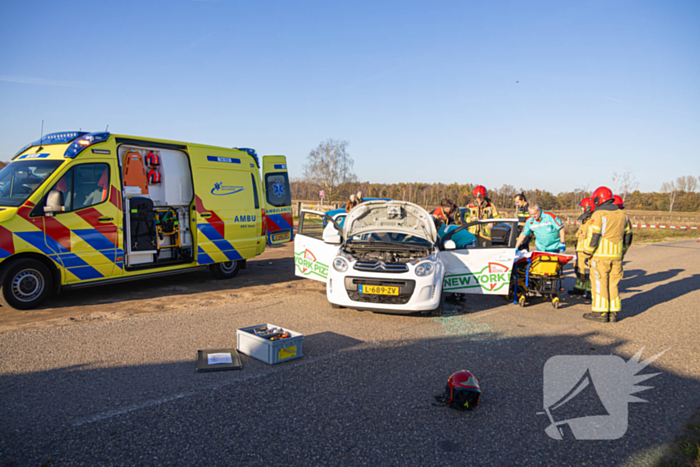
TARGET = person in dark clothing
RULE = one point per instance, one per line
(522, 213)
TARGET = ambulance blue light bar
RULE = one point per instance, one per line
(84, 142)
(61, 137)
(252, 153)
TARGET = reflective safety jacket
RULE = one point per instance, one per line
(522, 213)
(609, 233)
(581, 234)
(485, 210)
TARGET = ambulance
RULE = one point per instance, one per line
(79, 209)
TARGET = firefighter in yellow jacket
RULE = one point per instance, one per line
(583, 280)
(481, 208)
(609, 237)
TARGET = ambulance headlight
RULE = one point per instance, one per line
(340, 264)
(425, 269)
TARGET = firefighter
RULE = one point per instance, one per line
(522, 214)
(583, 280)
(619, 202)
(609, 237)
(446, 214)
(481, 208)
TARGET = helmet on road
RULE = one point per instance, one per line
(617, 201)
(588, 205)
(462, 391)
(601, 195)
(480, 192)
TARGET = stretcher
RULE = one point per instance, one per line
(537, 274)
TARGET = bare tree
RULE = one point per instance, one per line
(628, 183)
(671, 190)
(329, 167)
(615, 178)
(692, 183)
(688, 184)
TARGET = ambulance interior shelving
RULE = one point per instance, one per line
(157, 192)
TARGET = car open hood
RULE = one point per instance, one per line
(390, 216)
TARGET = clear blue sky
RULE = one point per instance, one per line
(549, 94)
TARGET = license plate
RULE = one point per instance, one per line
(281, 236)
(379, 290)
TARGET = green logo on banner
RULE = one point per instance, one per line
(306, 263)
(492, 278)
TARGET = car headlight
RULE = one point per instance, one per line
(340, 264)
(425, 269)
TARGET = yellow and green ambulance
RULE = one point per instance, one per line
(79, 209)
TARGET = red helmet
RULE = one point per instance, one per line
(588, 205)
(153, 177)
(152, 159)
(617, 201)
(480, 192)
(601, 195)
(462, 391)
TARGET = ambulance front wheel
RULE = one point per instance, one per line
(226, 270)
(24, 284)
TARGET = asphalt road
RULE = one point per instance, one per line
(98, 389)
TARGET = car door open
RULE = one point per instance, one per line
(481, 269)
(313, 254)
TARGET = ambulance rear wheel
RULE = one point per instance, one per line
(24, 284)
(225, 270)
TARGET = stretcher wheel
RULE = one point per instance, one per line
(555, 302)
(521, 301)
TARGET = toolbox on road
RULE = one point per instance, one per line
(268, 343)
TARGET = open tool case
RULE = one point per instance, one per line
(270, 349)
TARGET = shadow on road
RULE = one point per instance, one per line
(639, 277)
(257, 272)
(643, 301)
(342, 404)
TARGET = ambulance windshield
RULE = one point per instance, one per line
(18, 180)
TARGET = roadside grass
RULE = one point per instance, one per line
(685, 450)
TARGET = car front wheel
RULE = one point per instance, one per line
(24, 284)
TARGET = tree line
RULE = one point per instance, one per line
(430, 194)
(329, 167)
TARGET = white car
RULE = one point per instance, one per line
(386, 256)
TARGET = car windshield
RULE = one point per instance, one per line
(19, 180)
(389, 238)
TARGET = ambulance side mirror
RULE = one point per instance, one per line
(450, 245)
(54, 203)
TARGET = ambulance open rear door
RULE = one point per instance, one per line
(278, 200)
